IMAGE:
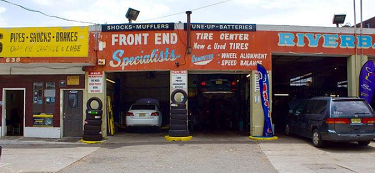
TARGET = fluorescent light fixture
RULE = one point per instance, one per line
(109, 80)
(248, 76)
(281, 95)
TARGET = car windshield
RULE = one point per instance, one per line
(143, 107)
(350, 108)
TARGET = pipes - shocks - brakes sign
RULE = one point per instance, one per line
(44, 42)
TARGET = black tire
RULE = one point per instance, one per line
(317, 139)
(287, 130)
(178, 127)
(92, 137)
(178, 106)
(88, 104)
(363, 143)
(178, 133)
(91, 127)
(178, 122)
(93, 122)
(179, 91)
(179, 116)
(178, 111)
(94, 112)
(92, 132)
(93, 117)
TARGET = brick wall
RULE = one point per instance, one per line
(26, 81)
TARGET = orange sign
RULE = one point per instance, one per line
(218, 50)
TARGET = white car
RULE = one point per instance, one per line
(144, 113)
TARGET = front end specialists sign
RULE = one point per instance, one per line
(367, 81)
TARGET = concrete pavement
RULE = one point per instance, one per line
(149, 152)
(296, 154)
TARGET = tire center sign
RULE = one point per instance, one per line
(179, 80)
(95, 82)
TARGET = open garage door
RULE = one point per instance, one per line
(145, 93)
(300, 77)
(219, 103)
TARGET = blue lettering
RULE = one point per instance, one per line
(116, 58)
(347, 41)
(330, 40)
(300, 42)
(313, 42)
(364, 41)
(286, 39)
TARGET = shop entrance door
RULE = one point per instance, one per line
(13, 111)
(72, 113)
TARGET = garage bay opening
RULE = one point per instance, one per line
(140, 100)
(296, 78)
(218, 103)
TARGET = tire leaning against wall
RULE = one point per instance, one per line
(88, 104)
(179, 111)
(179, 91)
(92, 132)
(93, 117)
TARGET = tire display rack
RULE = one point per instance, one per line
(92, 130)
(178, 126)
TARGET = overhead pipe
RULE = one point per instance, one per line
(188, 45)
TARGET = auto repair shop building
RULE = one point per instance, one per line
(134, 61)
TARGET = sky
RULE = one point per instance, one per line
(273, 12)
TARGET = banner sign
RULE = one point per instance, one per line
(221, 27)
(95, 82)
(137, 27)
(264, 94)
(367, 81)
(44, 42)
(179, 80)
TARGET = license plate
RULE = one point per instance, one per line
(219, 82)
(356, 120)
(142, 114)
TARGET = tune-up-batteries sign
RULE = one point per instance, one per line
(44, 42)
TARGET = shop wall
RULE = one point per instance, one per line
(139, 50)
(26, 81)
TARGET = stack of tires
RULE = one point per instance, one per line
(92, 130)
(178, 126)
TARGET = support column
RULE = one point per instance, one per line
(101, 96)
(256, 110)
(354, 65)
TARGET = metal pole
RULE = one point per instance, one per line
(361, 28)
(188, 46)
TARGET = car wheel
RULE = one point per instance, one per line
(287, 130)
(363, 143)
(317, 139)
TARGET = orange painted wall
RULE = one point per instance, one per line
(259, 43)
